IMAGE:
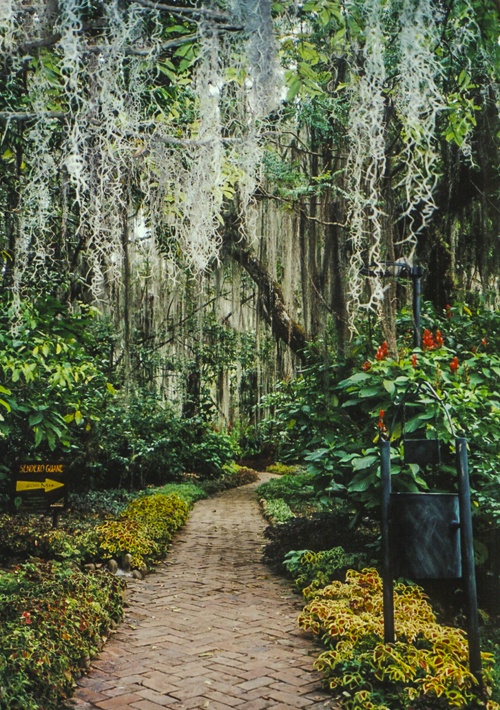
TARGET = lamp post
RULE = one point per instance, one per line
(398, 270)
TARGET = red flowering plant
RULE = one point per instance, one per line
(467, 380)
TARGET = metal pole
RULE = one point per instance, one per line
(416, 275)
(388, 582)
(468, 570)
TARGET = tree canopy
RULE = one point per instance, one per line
(275, 152)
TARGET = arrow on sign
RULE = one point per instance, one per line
(47, 485)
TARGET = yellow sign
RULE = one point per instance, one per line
(47, 485)
(41, 468)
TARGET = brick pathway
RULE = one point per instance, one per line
(212, 628)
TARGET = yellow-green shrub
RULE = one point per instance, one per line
(161, 515)
(427, 661)
(144, 529)
(118, 537)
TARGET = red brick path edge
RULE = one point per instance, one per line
(211, 628)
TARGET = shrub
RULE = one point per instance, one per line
(189, 492)
(277, 510)
(234, 476)
(314, 570)
(54, 619)
(161, 515)
(209, 453)
(318, 532)
(428, 662)
(281, 469)
(24, 536)
(296, 490)
(101, 502)
(145, 528)
(241, 477)
(120, 537)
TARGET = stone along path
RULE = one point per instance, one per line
(212, 628)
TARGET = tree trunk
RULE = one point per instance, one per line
(271, 300)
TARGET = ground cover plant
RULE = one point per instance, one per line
(313, 570)
(426, 667)
(277, 511)
(54, 619)
(232, 476)
(295, 489)
(144, 530)
(317, 532)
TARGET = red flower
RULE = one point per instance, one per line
(382, 351)
(428, 340)
(439, 339)
(454, 364)
(381, 423)
(448, 310)
(414, 360)
(26, 616)
(484, 342)
(366, 365)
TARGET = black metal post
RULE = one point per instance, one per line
(388, 582)
(416, 274)
(468, 570)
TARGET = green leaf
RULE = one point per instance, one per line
(358, 377)
(38, 435)
(363, 462)
(418, 421)
(390, 387)
(8, 155)
(6, 405)
(369, 392)
(361, 483)
(294, 88)
(35, 419)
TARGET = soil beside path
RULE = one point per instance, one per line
(212, 628)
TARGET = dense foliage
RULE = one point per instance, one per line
(426, 667)
(54, 619)
(312, 571)
(449, 386)
(63, 398)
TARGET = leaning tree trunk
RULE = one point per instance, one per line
(271, 299)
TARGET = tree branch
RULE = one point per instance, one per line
(199, 11)
(26, 116)
(271, 298)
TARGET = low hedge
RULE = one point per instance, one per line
(426, 667)
(144, 529)
(53, 616)
(54, 619)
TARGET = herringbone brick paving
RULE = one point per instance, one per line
(211, 628)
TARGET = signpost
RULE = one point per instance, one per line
(428, 535)
(40, 488)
